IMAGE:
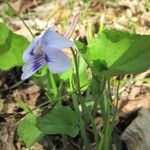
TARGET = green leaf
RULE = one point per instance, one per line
(121, 52)
(24, 106)
(83, 64)
(61, 120)
(11, 48)
(98, 66)
(83, 73)
(66, 75)
(28, 131)
(82, 47)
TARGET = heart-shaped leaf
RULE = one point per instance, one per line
(61, 120)
(12, 47)
(121, 52)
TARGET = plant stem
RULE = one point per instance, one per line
(81, 122)
(100, 84)
(109, 90)
(64, 141)
(96, 137)
(117, 96)
(19, 17)
(54, 87)
(101, 23)
(107, 128)
(48, 80)
(77, 71)
(51, 80)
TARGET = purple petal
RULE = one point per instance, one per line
(30, 50)
(57, 62)
(31, 67)
(54, 39)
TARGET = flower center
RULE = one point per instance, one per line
(39, 51)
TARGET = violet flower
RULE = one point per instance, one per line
(46, 49)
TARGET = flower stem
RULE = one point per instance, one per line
(96, 137)
(77, 71)
(54, 86)
(81, 122)
(52, 83)
(19, 17)
(75, 102)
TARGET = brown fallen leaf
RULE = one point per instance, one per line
(138, 84)
(30, 95)
(7, 136)
(129, 105)
(26, 5)
(144, 19)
